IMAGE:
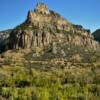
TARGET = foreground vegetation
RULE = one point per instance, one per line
(55, 83)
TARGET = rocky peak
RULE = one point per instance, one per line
(42, 8)
(39, 14)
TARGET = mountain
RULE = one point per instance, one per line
(44, 27)
(96, 35)
(46, 33)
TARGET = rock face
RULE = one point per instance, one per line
(4, 35)
(96, 35)
(29, 39)
(45, 29)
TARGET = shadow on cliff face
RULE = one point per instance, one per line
(4, 45)
(4, 40)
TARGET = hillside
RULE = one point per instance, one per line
(49, 58)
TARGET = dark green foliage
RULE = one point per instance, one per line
(78, 26)
(22, 83)
(7, 62)
(54, 14)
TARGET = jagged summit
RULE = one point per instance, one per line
(47, 31)
(42, 15)
(42, 8)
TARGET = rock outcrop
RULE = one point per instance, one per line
(96, 35)
(29, 39)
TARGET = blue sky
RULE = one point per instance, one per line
(83, 12)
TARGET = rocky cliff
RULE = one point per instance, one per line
(4, 41)
(46, 31)
(96, 35)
